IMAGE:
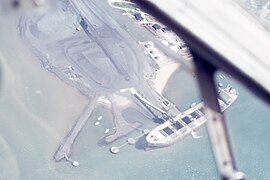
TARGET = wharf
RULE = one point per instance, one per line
(64, 148)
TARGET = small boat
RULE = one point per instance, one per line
(220, 84)
(106, 131)
(221, 76)
(193, 105)
(99, 118)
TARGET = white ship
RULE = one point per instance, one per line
(177, 128)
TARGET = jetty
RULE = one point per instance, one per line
(65, 146)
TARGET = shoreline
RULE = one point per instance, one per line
(167, 65)
(166, 71)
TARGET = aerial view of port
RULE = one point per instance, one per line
(117, 67)
(118, 75)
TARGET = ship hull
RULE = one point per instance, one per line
(176, 129)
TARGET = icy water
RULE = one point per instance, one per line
(36, 110)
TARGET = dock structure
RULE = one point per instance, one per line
(143, 100)
(64, 148)
(167, 111)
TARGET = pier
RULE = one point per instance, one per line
(143, 100)
(64, 148)
(167, 111)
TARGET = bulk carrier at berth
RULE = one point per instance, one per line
(178, 127)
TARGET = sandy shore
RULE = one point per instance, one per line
(167, 69)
